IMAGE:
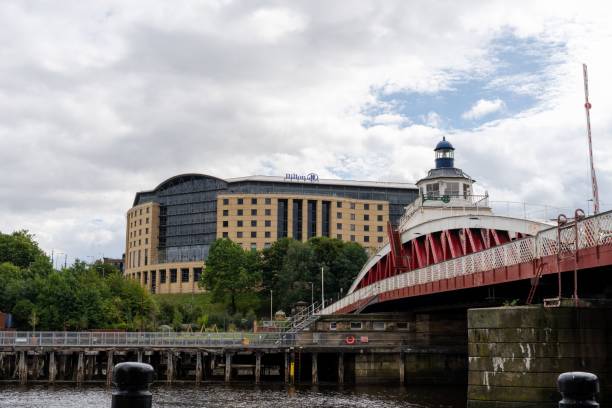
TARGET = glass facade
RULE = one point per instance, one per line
(188, 210)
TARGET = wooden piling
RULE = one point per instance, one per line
(257, 368)
(340, 368)
(169, 367)
(139, 356)
(198, 373)
(292, 368)
(22, 368)
(80, 374)
(52, 367)
(286, 368)
(402, 370)
(228, 367)
(109, 368)
(315, 369)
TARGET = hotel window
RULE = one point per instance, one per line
(147, 221)
(239, 234)
(352, 217)
(379, 218)
(268, 211)
(253, 234)
(140, 221)
(379, 228)
(339, 226)
(145, 277)
(253, 246)
(226, 223)
(184, 274)
(338, 236)
(139, 232)
(225, 234)
(268, 234)
(253, 223)
(141, 212)
(366, 206)
(338, 204)
(379, 207)
(366, 238)
(366, 217)
(197, 273)
(268, 223)
(147, 210)
(172, 275)
(253, 201)
(146, 241)
(162, 276)
(352, 227)
(267, 245)
(352, 206)
(366, 228)
(139, 242)
(253, 211)
(239, 212)
(380, 239)
(268, 201)
(225, 213)
(239, 223)
(339, 215)
(225, 201)
(352, 238)
(240, 201)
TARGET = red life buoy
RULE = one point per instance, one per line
(350, 340)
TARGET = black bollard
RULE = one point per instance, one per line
(132, 381)
(578, 390)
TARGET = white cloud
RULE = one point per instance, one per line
(99, 100)
(483, 108)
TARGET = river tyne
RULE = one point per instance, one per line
(242, 395)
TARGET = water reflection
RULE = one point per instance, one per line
(243, 395)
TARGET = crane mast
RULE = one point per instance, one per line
(587, 107)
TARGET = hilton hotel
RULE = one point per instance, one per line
(170, 228)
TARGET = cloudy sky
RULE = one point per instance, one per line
(99, 100)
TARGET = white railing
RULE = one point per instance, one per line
(592, 231)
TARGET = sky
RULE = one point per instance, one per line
(101, 99)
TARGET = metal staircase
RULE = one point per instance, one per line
(300, 321)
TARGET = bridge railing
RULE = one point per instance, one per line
(592, 231)
(130, 339)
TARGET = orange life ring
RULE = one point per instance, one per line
(350, 340)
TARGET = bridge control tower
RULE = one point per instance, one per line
(444, 192)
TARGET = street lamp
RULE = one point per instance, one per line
(271, 317)
(322, 288)
(311, 293)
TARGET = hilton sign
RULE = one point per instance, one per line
(312, 177)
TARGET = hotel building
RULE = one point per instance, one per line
(170, 228)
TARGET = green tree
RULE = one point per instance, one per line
(19, 248)
(230, 271)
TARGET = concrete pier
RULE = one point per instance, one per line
(517, 353)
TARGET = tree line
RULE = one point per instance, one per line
(237, 285)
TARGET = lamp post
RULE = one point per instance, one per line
(322, 288)
(271, 317)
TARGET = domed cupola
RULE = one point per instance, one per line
(445, 154)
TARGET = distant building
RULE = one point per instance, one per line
(170, 228)
(116, 262)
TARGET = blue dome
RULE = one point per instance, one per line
(444, 144)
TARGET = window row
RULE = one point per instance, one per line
(366, 238)
(135, 213)
(254, 201)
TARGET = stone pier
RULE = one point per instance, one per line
(517, 353)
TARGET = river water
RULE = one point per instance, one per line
(218, 395)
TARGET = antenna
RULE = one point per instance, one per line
(587, 108)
